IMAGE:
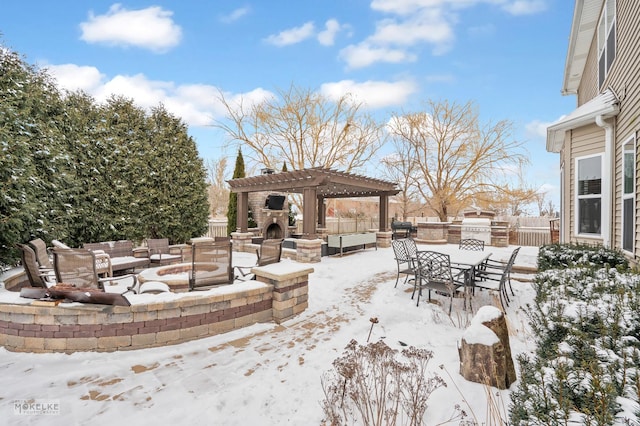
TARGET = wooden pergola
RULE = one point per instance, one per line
(315, 185)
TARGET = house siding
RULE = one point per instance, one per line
(624, 79)
(588, 88)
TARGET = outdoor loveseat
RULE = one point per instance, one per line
(123, 255)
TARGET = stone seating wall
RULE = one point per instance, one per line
(275, 296)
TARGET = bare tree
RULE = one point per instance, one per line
(541, 198)
(551, 210)
(400, 167)
(514, 197)
(218, 191)
(304, 129)
(458, 160)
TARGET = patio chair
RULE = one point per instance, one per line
(42, 255)
(210, 264)
(78, 267)
(38, 277)
(160, 251)
(103, 260)
(434, 272)
(471, 244)
(270, 251)
(496, 275)
(404, 261)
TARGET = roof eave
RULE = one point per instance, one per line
(583, 27)
(555, 133)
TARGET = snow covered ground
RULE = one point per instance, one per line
(267, 374)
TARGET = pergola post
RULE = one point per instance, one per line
(242, 220)
(309, 201)
(383, 221)
(322, 213)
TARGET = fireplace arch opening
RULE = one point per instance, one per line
(274, 231)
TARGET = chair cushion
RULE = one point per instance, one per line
(163, 257)
(154, 287)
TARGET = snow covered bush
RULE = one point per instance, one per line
(586, 367)
(552, 256)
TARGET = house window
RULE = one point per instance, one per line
(628, 194)
(606, 40)
(589, 194)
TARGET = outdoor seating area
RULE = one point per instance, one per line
(122, 256)
(203, 264)
(453, 271)
(74, 288)
(446, 275)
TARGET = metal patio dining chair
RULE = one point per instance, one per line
(403, 260)
(434, 272)
(471, 244)
(496, 275)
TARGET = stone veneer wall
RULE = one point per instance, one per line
(499, 233)
(433, 232)
(454, 234)
(27, 328)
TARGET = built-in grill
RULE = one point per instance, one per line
(478, 228)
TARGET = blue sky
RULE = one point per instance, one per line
(507, 56)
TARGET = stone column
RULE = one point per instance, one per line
(499, 233)
(383, 238)
(455, 232)
(241, 240)
(308, 251)
(290, 288)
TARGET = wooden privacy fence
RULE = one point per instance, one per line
(525, 236)
(521, 236)
(217, 228)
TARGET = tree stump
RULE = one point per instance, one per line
(485, 353)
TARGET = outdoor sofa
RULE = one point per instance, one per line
(122, 254)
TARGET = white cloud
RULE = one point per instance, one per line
(151, 28)
(235, 15)
(537, 129)
(525, 7)
(404, 7)
(75, 77)
(327, 37)
(364, 54)
(373, 94)
(195, 104)
(411, 23)
(429, 26)
(292, 36)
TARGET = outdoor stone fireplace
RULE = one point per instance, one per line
(271, 213)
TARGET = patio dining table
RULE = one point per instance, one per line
(465, 259)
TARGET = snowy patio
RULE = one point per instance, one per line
(268, 374)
